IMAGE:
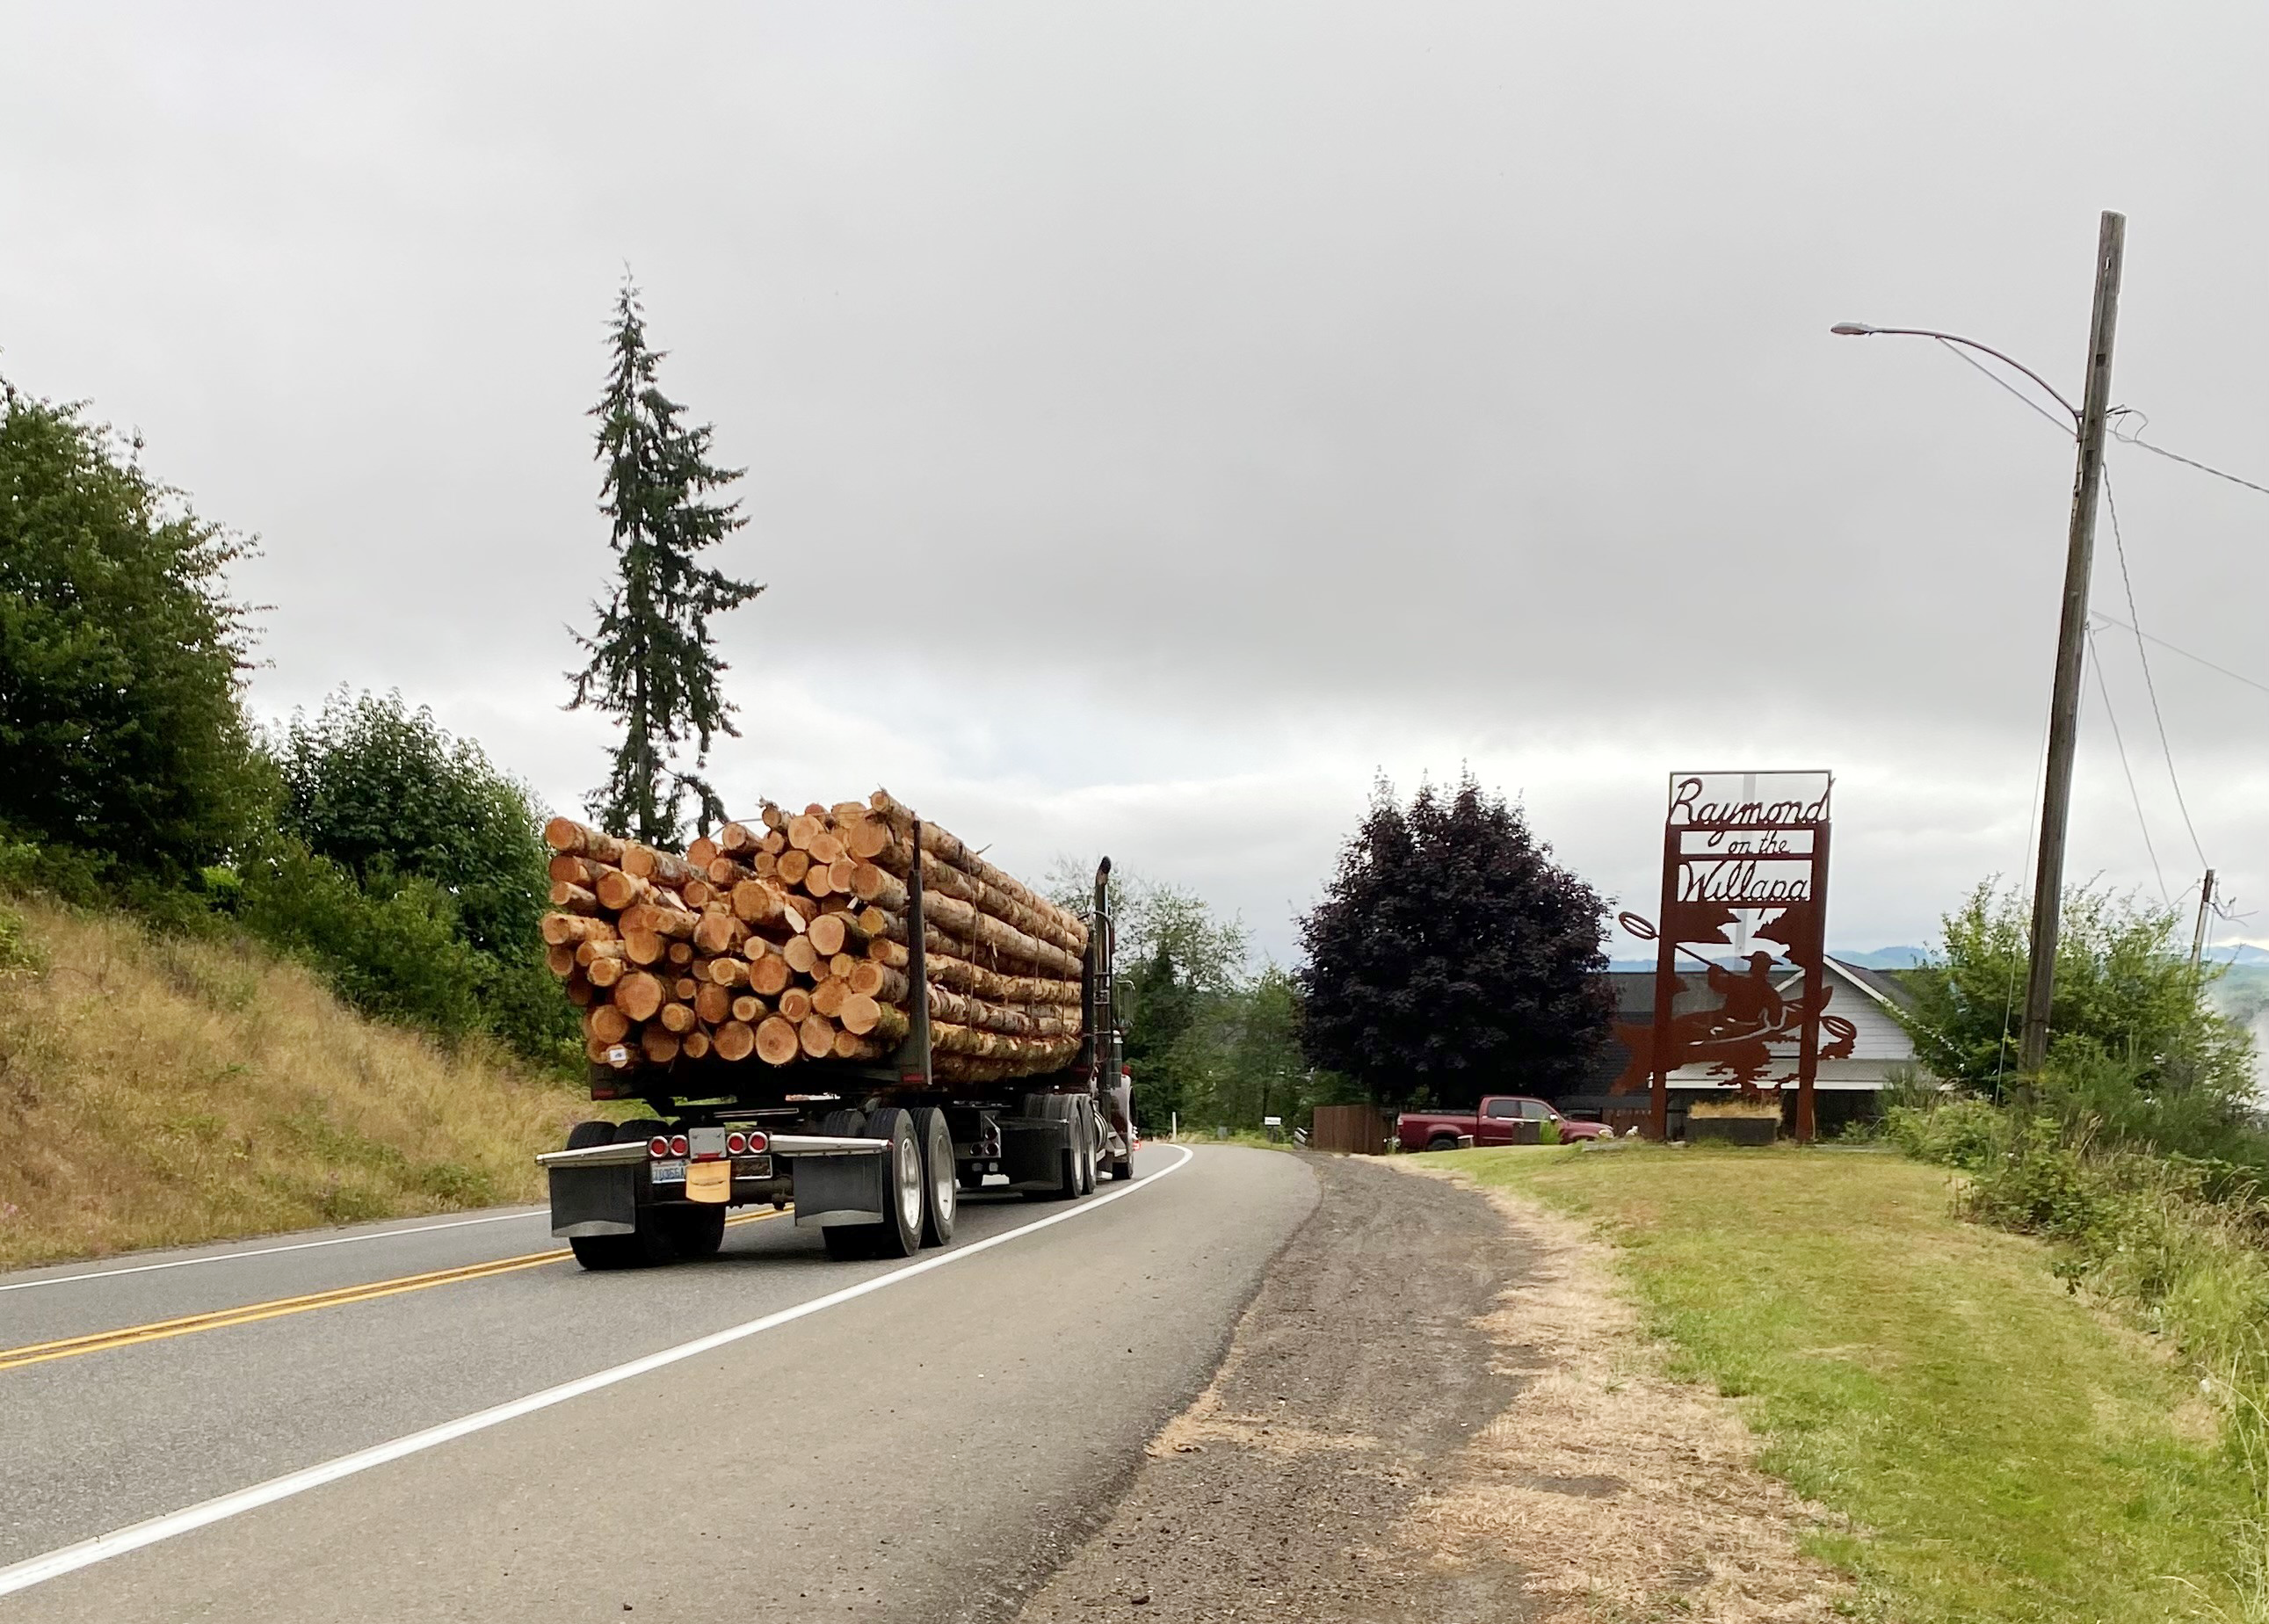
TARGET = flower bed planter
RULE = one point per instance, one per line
(1732, 1130)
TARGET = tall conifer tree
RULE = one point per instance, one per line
(653, 663)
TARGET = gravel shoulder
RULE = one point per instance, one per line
(1357, 1380)
(1442, 1405)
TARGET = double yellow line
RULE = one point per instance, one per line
(220, 1319)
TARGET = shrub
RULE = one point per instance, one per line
(391, 950)
(1956, 1130)
(18, 951)
(1548, 1132)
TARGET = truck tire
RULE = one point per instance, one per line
(651, 1244)
(696, 1229)
(1067, 1185)
(583, 1135)
(941, 1197)
(849, 1243)
(1443, 1141)
(900, 1234)
(845, 1124)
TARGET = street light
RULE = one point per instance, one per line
(2079, 557)
(1860, 329)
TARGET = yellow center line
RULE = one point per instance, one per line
(217, 1319)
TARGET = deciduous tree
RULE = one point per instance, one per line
(1451, 955)
(121, 652)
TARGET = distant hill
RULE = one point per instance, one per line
(1884, 958)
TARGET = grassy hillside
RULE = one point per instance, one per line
(1991, 1448)
(157, 1091)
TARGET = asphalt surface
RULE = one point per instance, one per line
(930, 1449)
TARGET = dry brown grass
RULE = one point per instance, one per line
(162, 1092)
(1627, 1496)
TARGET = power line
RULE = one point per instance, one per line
(2137, 439)
(2176, 648)
(2066, 429)
(2095, 664)
(2120, 547)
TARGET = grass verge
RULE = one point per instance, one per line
(2002, 1451)
(158, 1091)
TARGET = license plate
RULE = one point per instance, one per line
(753, 1166)
(668, 1172)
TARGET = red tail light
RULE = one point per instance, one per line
(658, 1146)
(759, 1142)
(678, 1145)
(735, 1144)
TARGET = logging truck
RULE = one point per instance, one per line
(869, 1119)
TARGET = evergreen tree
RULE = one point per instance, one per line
(653, 663)
(1165, 1005)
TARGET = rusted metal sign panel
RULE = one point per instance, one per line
(1744, 861)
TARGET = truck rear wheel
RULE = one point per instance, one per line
(900, 1234)
(651, 1244)
(1090, 1138)
(940, 1189)
(583, 1135)
(1442, 1142)
(1067, 1185)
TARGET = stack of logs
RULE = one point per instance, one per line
(785, 938)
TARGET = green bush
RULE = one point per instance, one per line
(1548, 1132)
(1954, 1130)
(18, 951)
(390, 948)
(2044, 1188)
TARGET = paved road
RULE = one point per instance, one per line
(924, 1448)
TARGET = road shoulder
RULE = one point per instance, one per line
(1356, 1380)
(1442, 1406)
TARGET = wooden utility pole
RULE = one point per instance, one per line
(2198, 935)
(2063, 708)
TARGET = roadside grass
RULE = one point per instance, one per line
(2000, 1450)
(160, 1091)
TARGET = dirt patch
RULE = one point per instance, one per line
(1672, 1517)
(1441, 1407)
(1356, 1382)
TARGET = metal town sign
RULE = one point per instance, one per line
(1744, 859)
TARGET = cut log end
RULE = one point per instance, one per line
(776, 1041)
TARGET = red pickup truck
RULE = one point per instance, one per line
(1502, 1120)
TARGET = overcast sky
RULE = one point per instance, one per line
(1161, 419)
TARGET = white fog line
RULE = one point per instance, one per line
(70, 1558)
(270, 1251)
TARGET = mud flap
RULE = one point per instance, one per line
(1032, 1148)
(595, 1200)
(838, 1189)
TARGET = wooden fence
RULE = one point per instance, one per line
(1351, 1130)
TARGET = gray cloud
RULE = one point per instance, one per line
(1159, 417)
